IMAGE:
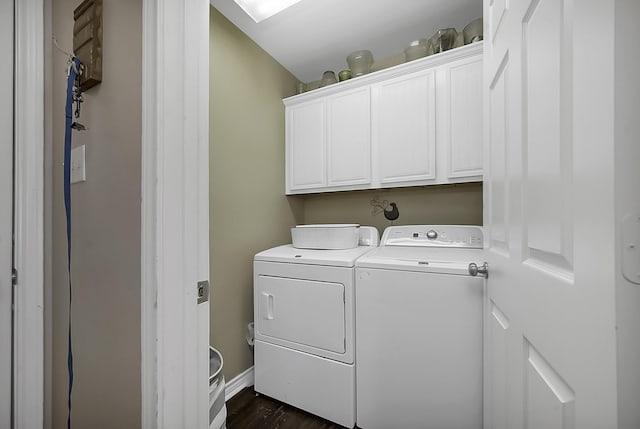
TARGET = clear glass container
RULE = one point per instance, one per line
(360, 62)
(328, 78)
(473, 31)
(418, 49)
(444, 40)
(344, 75)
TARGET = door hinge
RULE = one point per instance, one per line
(14, 276)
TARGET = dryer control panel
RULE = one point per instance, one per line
(459, 236)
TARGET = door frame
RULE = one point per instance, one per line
(29, 214)
(175, 212)
(169, 392)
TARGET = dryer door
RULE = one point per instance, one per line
(295, 312)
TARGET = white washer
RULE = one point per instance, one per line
(419, 330)
(304, 329)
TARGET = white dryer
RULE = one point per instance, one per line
(304, 328)
(419, 330)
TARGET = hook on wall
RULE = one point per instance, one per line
(55, 44)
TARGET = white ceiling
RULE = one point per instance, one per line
(317, 35)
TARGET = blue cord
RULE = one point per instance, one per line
(71, 80)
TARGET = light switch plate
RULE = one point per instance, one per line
(78, 172)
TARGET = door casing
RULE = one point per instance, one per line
(29, 213)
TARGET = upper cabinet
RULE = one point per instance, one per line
(418, 123)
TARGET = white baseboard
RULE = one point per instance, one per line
(239, 382)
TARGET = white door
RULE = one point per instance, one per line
(549, 215)
(461, 116)
(6, 209)
(292, 300)
(306, 160)
(404, 129)
(290, 310)
(349, 138)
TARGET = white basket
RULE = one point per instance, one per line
(326, 236)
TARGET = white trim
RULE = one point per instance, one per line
(239, 382)
(149, 338)
(175, 213)
(29, 213)
(48, 218)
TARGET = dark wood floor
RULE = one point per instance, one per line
(248, 411)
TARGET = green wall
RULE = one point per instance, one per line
(248, 209)
(446, 204)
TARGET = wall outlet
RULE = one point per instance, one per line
(78, 172)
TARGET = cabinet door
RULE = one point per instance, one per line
(462, 117)
(404, 129)
(306, 163)
(349, 138)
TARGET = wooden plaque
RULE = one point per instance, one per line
(87, 41)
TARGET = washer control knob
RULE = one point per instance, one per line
(432, 235)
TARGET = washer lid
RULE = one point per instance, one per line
(334, 258)
(422, 259)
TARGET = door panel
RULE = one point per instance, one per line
(349, 138)
(549, 400)
(464, 126)
(497, 10)
(496, 353)
(404, 128)
(550, 357)
(499, 180)
(548, 140)
(307, 148)
(306, 312)
(6, 207)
